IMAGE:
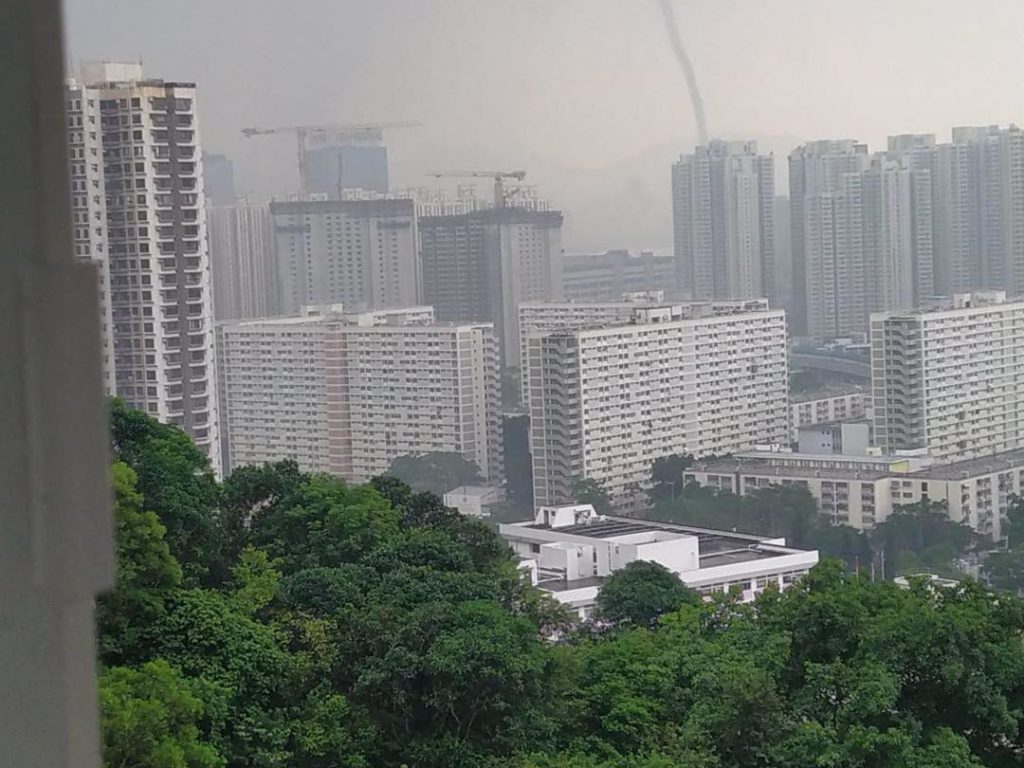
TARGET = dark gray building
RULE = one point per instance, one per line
(346, 160)
(607, 276)
(480, 266)
(218, 179)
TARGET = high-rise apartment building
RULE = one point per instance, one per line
(723, 220)
(824, 227)
(606, 402)
(996, 167)
(242, 258)
(361, 253)
(977, 184)
(161, 317)
(538, 317)
(349, 393)
(950, 381)
(862, 229)
(89, 205)
(607, 276)
(898, 234)
(480, 266)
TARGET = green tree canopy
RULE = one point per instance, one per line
(667, 476)
(151, 719)
(357, 626)
(587, 490)
(175, 481)
(146, 574)
(642, 592)
(437, 472)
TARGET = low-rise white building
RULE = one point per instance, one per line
(822, 406)
(473, 500)
(570, 550)
(863, 491)
(850, 438)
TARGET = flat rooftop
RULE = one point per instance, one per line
(715, 547)
(824, 393)
(958, 470)
(782, 469)
(561, 585)
(776, 465)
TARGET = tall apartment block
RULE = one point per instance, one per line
(242, 258)
(862, 232)
(950, 382)
(723, 221)
(605, 402)
(480, 266)
(978, 203)
(361, 253)
(821, 195)
(153, 231)
(539, 317)
(607, 276)
(89, 205)
(349, 393)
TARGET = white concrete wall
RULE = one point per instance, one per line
(677, 555)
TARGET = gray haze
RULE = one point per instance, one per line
(586, 95)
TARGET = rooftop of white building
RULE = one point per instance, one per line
(983, 465)
(570, 550)
(840, 466)
(827, 392)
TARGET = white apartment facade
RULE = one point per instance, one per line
(950, 382)
(160, 302)
(361, 253)
(723, 218)
(604, 403)
(826, 406)
(349, 393)
(242, 260)
(537, 317)
(89, 205)
(570, 550)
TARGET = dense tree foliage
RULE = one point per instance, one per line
(436, 472)
(175, 482)
(323, 625)
(587, 490)
(641, 593)
(667, 477)
(1005, 569)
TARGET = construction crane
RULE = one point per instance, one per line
(500, 196)
(302, 133)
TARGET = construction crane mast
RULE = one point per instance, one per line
(302, 133)
(501, 198)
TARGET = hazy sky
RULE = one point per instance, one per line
(583, 94)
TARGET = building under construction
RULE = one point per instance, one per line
(479, 266)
